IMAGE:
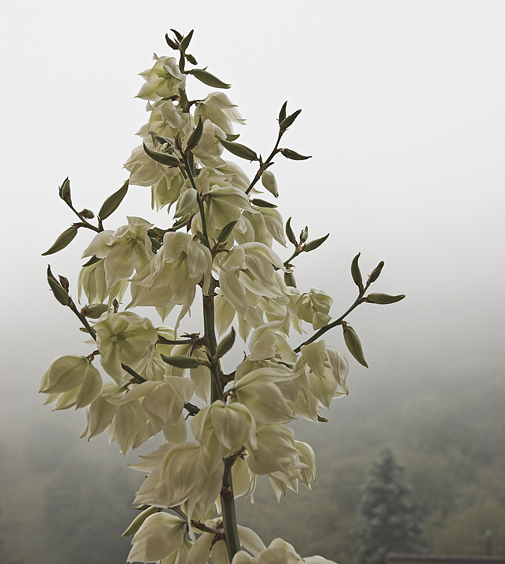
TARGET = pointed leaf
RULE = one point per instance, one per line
(208, 78)
(293, 155)
(239, 150)
(163, 158)
(356, 272)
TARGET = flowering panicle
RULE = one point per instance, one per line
(215, 243)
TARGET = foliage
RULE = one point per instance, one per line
(389, 520)
(217, 253)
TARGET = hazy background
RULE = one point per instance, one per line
(403, 113)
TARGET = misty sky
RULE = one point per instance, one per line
(403, 113)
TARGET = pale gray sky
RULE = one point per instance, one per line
(403, 112)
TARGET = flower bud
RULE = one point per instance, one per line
(376, 272)
(289, 233)
(262, 203)
(208, 79)
(286, 122)
(87, 214)
(181, 361)
(186, 41)
(226, 232)
(112, 202)
(282, 113)
(354, 344)
(94, 311)
(62, 241)
(226, 344)
(312, 245)
(293, 155)
(356, 273)
(269, 182)
(59, 292)
(195, 136)
(384, 298)
(64, 191)
(162, 158)
(239, 150)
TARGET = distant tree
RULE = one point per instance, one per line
(389, 520)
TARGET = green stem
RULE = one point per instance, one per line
(323, 330)
(269, 159)
(229, 515)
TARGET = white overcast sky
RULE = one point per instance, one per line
(403, 113)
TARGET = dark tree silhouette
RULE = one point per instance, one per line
(389, 520)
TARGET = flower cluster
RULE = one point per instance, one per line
(218, 248)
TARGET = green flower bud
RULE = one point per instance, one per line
(384, 298)
(226, 232)
(269, 182)
(262, 203)
(304, 234)
(355, 272)
(181, 361)
(208, 79)
(112, 202)
(354, 344)
(163, 158)
(289, 279)
(88, 214)
(289, 233)
(195, 136)
(293, 155)
(64, 191)
(312, 245)
(177, 34)
(286, 122)
(94, 311)
(282, 113)
(239, 150)
(62, 241)
(171, 43)
(59, 292)
(191, 59)
(186, 41)
(226, 344)
(376, 272)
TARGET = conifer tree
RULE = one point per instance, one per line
(390, 521)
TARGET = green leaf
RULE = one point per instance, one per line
(293, 155)
(181, 361)
(208, 78)
(239, 150)
(262, 203)
(356, 272)
(353, 344)
(62, 241)
(384, 299)
(162, 158)
(112, 202)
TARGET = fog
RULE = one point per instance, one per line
(403, 116)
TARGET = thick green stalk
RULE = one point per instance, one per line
(227, 496)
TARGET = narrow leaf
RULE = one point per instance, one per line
(226, 232)
(286, 122)
(186, 41)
